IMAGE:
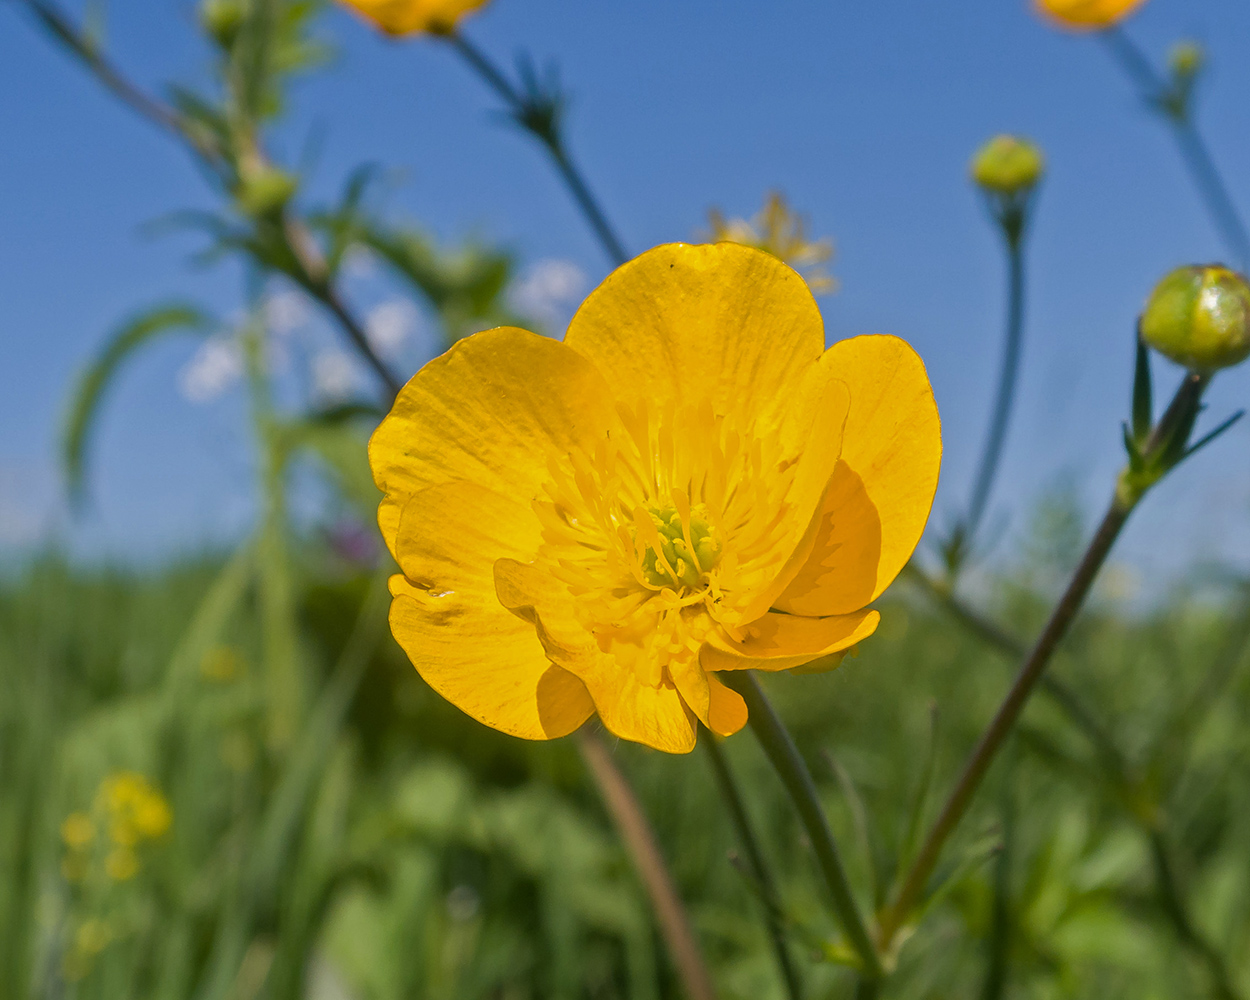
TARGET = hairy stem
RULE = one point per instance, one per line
(755, 859)
(634, 829)
(550, 135)
(779, 747)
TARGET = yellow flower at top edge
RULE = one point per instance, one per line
(412, 17)
(783, 233)
(1087, 15)
(689, 483)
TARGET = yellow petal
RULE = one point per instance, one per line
(721, 322)
(882, 489)
(407, 17)
(655, 716)
(491, 410)
(1087, 15)
(779, 642)
(445, 614)
(727, 712)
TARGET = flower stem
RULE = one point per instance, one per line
(1007, 381)
(631, 822)
(784, 755)
(755, 858)
(546, 129)
(992, 739)
(1211, 187)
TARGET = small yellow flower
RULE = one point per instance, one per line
(412, 17)
(136, 809)
(1008, 165)
(783, 233)
(121, 864)
(1087, 15)
(688, 483)
(77, 831)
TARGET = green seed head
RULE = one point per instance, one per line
(1200, 318)
(1008, 164)
(687, 566)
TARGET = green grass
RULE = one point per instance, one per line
(391, 847)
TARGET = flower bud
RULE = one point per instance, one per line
(1087, 15)
(1008, 165)
(222, 19)
(264, 189)
(1186, 60)
(1200, 318)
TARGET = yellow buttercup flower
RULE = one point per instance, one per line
(1087, 15)
(411, 17)
(688, 483)
(777, 230)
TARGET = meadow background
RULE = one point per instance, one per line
(335, 830)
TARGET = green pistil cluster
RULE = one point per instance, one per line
(687, 567)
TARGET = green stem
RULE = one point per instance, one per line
(1140, 809)
(1004, 720)
(1156, 92)
(755, 858)
(784, 755)
(999, 944)
(549, 135)
(1007, 381)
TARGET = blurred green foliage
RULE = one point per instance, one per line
(392, 848)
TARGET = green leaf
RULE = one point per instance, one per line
(126, 341)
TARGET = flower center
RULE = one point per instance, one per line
(682, 547)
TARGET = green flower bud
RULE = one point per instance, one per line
(264, 189)
(1200, 318)
(1186, 59)
(222, 19)
(1008, 165)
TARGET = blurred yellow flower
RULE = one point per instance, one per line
(411, 17)
(783, 233)
(77, 831)
(136, 809)
(1087, 15)
(688, 483)
(121, 864)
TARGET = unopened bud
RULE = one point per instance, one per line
(264, 189)
(222, 19)
(1200, 318)
(1186, 60)
(1008, 165)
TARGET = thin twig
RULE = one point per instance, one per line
(631, 823)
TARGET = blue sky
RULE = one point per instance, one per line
(863, 114)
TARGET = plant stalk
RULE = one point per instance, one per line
(632, 825)
(779, 747)
(1007, 381)
(1193, 148)
(1004, 720)
(773, 916)
(552, 138)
